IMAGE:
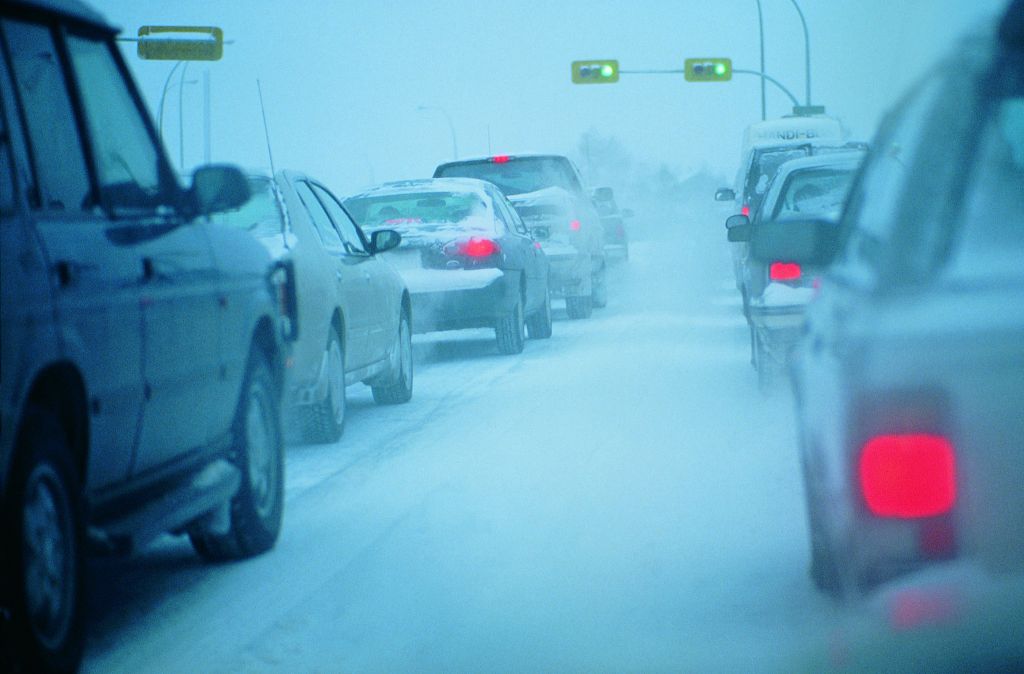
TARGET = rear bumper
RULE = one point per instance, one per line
(569, 274)
(470, 302)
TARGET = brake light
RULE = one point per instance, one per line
(745, 210)
(784, 271)
(500, 159)
(908, 476)
(574, 225)
(475, 247)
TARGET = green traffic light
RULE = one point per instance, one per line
(607, 70)
(719, 68)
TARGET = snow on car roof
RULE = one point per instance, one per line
(821, 161)
(478, 187)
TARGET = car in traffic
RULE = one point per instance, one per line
(766, 146)
(467, 258)
(908, 379)
(142, 347)
(613, 219)
(520, 177)
(353, 311)
(552, 221)
(776, 292)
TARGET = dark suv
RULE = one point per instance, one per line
(142, 346)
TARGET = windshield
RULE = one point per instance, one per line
(518, 175)
(502, 387)
(261, 215)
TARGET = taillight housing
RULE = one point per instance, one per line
(281, 280)
(908, 476)
(500, 159)
(784, 271)
(574, 225)
(468, 253)
(745, 210)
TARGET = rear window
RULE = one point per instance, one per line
(992, 234)
(422, 212)
(541, 212)
(814, 192)
(260, 215)
(517, 175)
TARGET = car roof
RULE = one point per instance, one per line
(489, 157)
(479, 187)
(68, 9)
(822, 161)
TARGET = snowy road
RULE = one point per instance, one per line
(619, 497)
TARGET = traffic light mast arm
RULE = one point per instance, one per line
(770, 79)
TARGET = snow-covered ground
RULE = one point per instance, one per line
(618, 497)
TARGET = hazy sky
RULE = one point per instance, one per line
(342, 80)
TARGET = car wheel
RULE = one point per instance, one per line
(510, 330)
(579, 307)
(324, 421)
(539, 324)
(400, 388)
(257, 508)
(43, 527)
(599, 294)
(764, 363)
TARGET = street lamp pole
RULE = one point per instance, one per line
(760, 27)
(807, 51)
(451, 126)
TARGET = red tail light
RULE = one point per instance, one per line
(500, 159)
(908, 476)
(784, 271)
(745, 210)
(574, 225)
(477, 248)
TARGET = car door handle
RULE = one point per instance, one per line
(69, 271)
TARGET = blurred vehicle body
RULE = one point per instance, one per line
(467, 258)
(352, 309)
(523, 174)
(766, 146)
(908, 381)
(550, 216)
(777, 291)
(616, 239)
(142, 345)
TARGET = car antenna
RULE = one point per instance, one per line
(266, 129)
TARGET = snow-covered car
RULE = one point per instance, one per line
(142, 346)
(551, 217)
(776, 292)
(524, 174)
(353, 312)
(908, 380)
(466, 256)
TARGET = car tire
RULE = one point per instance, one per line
(599, 292)
(580, 306)
(44, 532)
(510, 331)
(258, 506)
(324, 421)
(824, 570)
(400, 389)
(539, 324)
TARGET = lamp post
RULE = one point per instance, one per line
(451, 126)
(807, 52)
(760, 28)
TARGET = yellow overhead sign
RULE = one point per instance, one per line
(179, 43)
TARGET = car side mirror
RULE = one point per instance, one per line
(603, 194)
(627, 213)
(810, 242)
(540, 233)
(384, 240)
(218, 187)
(738, 228)
(725, 194)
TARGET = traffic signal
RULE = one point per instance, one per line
(595, 72)
(708, 70)
(207, 46)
